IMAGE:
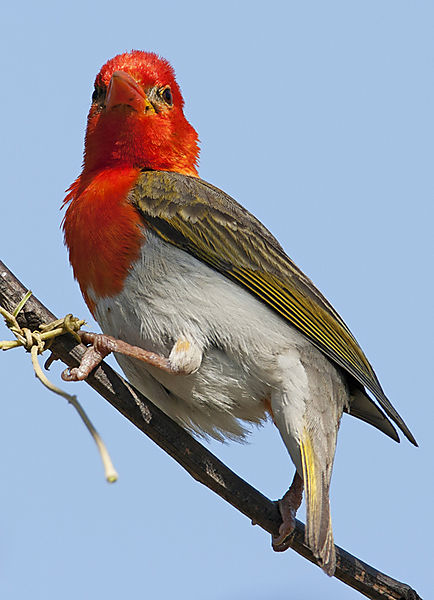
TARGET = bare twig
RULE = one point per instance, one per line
(35, 343)
(189, 453)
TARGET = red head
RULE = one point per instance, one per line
(136, 118)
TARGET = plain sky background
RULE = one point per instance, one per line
(317, 116)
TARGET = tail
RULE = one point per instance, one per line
(362, 407)
(316, 478)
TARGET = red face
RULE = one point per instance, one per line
(136, 118)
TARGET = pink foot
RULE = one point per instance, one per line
(102, 345)
(288, 507)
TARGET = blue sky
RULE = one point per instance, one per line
(318, 118)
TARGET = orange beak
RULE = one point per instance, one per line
(125, 91)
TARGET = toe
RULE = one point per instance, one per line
(280, 542)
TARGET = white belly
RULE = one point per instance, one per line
(170, 295)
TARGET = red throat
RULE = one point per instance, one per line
(125, 140)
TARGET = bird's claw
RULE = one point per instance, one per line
(281, 542)
(101, 347)
(184, 359)
(288, 507)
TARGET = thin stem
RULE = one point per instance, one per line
(109, 470)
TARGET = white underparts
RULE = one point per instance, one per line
(242, 359)
(239, 353)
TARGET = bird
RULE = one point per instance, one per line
(205, 312)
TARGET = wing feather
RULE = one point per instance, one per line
(210, 225)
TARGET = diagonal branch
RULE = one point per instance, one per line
(190, 454)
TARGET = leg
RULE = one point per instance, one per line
(307, 412)
(185, 357)
(288, 406)
(288, 507)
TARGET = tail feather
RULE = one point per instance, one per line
(319, 534)
(362, 407)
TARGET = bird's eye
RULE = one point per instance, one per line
(166, 94)
(98, 94)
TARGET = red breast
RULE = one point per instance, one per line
(102, 231)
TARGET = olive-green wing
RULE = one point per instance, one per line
(211, 226)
